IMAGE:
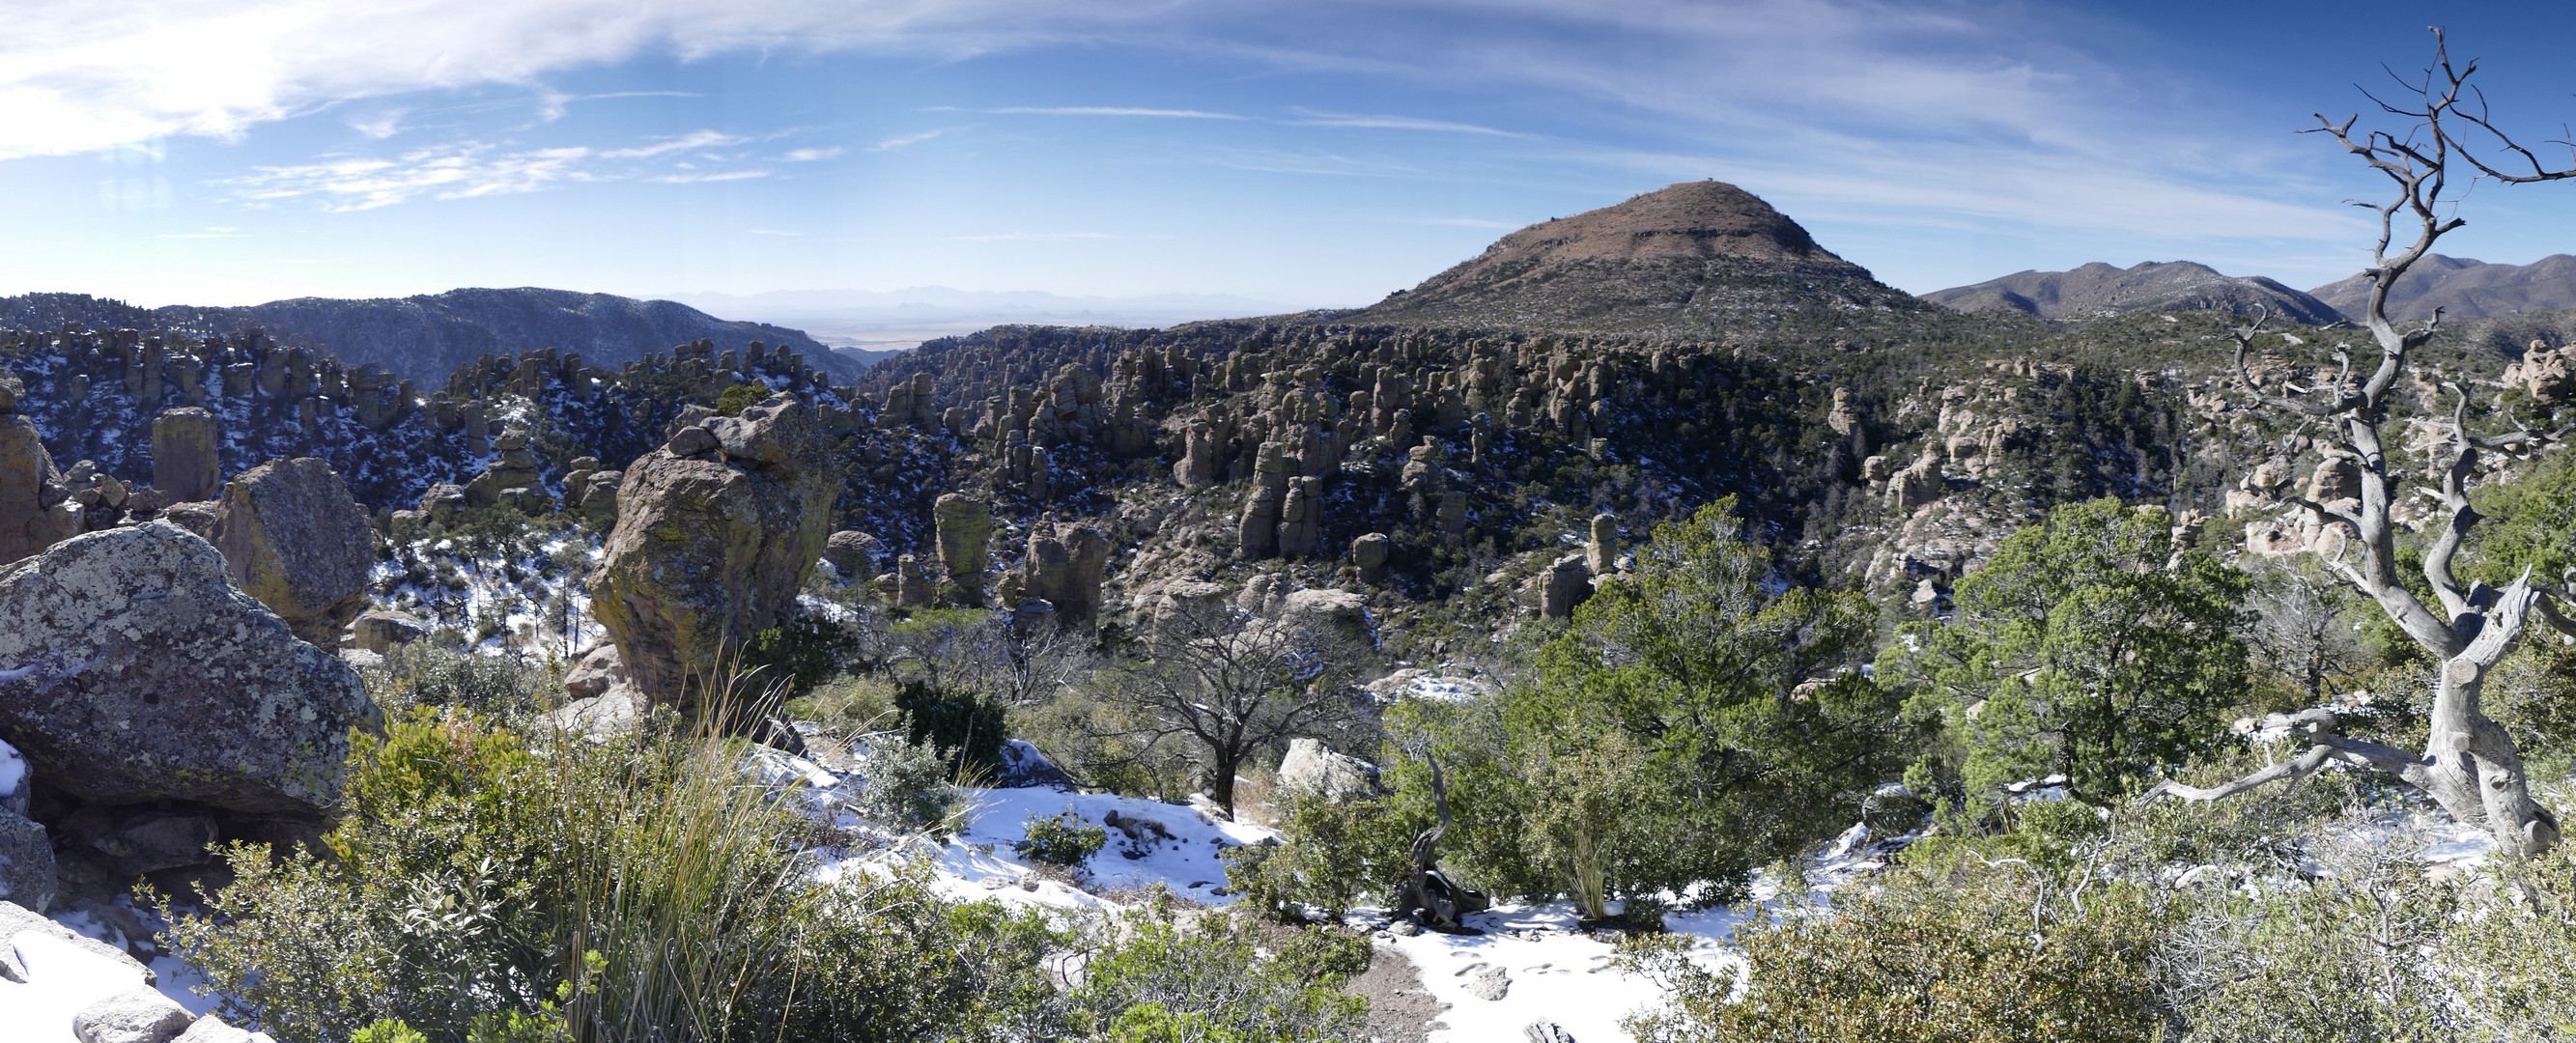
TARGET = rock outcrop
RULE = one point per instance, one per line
(1063, 566)
(1568, 583)
(715, 534)
(187, 454)
(132, 672)
(965, 528)
(1368, 553)
(294, 538)
(853, 554)
(29, 487)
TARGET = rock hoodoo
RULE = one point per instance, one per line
(132, 672)
(1063, 567)
(29, 488)
(187, 454)
(715, 534)
(294, 538)
(965, 527)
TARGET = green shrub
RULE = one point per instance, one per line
(1954, 952)
(421, 673)
(1211, 982)
(907, 784)
(1062, 839)
(733, 400)
(1329, 856)
(799, 653)
(483, 887)
(964, 726)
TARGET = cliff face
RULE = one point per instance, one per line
(1696, 257)
(2096, 290)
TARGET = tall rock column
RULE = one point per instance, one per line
(187, 454)
(28, 483)
(1602, 552)
(716, 531)
(965, 527)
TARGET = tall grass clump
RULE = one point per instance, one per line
(487, 882)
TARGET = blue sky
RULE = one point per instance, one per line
(1310, 153)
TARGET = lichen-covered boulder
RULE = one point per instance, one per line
(26, 862)
(187, 458)
(852, 553)
(131, 671)
(712, 549)
(295, 539)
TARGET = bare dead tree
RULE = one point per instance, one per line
(1232, 684)
(2470, 766)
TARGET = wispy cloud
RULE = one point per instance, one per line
(445, 172)
(811, 155)
(1009, 236)
(891, 144)
(1099, 110)
(691, 177)
(694, 140)
(1312, 118)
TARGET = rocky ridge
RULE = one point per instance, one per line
(2097, 289)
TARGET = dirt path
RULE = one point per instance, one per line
(1400, 1009)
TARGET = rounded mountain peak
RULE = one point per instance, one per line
(1693, 219)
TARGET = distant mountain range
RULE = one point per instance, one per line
(2464, 289)
(426, 337)
(898, 319)
(2097, 289)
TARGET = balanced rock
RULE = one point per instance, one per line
(1063, 567)
(131, 672)
(712, 549)
(295, 539)
(1301, 518)
(852, 553)
(187, 454)
(1369, 553)
(965, 527)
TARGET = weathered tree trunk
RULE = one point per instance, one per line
(2469, 766)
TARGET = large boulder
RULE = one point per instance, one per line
(295, 539)
(852, 553)
(187, 454)
(132, 672)
(712, 545)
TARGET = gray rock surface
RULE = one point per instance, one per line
(136, 1016)
(1492, 983)
(212, 1029)
(26, 862)
(1312, 767)
(132, 672)
(294, 538)
(17, 919)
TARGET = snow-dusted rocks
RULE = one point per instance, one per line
(137, 1015)
(132, 672)
(712, 546)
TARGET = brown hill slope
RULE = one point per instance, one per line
(1690, 258)
(2464, 289)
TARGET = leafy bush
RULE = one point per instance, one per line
(907, 784)
(1162, 982)
(799, 653)
(1061, 839)
(733, 400)
(965, 727)
(617, 890)
(421, 673)
(1957, 951)
(1329, 854)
